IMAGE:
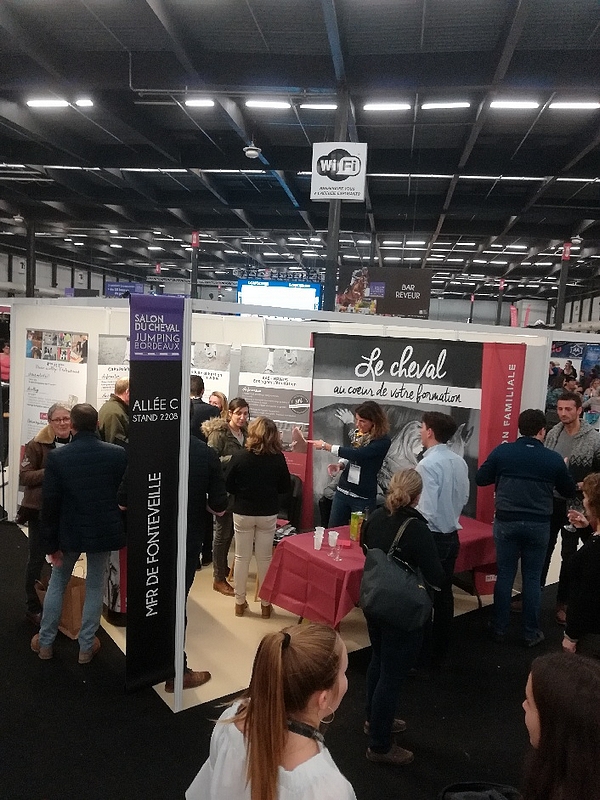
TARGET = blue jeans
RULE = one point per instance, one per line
(343, 505)
(92, 607)
(529, 542)
(393, 655)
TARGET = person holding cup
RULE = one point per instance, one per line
(358, 464)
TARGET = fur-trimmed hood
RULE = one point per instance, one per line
(213, 425)
(45, 436)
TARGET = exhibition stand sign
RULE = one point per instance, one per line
(392, 292)
(156, 336)
(477, 383)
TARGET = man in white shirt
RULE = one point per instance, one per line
(445, 492)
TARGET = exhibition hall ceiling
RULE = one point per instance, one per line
(482, 120)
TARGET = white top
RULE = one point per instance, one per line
(223, 775)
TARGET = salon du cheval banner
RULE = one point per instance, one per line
(156, 334)
(477, 383)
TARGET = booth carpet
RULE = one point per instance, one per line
(69, 731)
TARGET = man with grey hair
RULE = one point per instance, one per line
(56, 433)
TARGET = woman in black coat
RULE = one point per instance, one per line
(256, 477)
(394, 651)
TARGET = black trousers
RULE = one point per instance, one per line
(569, 544)
(438, 632)
(36, 562)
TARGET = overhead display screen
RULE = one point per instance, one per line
(280, 294)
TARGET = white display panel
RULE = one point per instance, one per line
(280, 294)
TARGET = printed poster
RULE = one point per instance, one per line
(113, 364)
(478, 384)
(55, 371)
(212, 362)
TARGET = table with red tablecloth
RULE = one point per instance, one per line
(309, 583)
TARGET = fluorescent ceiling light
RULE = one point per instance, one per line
(455, 260)
(117, 246)
(271, 254)
(413, 258)
(502, 263)
(113, 231)
(543, 264)
(79, 244)
(355, 257)
(296, 238)
(514, 104)
(435, 258)
(465, 244)
(392, 243)
(459, 104)
(199, 102)
(479, 261)
(386, 107)
(84, 102)
(583, 106)
(267, 104)
(479, 177)
(315, 238)
(47, 103)
(320, 106)
(392, 258)
(415, 243)
(154, 247)
(310, 253)
(518, 246)
(363, 241)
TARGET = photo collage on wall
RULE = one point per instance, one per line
(57, 346)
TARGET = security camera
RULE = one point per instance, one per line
(252, 151)
(576, 240)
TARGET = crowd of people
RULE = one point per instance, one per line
(269, 744)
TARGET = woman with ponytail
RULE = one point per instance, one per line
(268, 746)
(394, 651)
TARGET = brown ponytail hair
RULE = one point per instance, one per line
(289, 667)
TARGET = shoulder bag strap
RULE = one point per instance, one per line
(401, 530)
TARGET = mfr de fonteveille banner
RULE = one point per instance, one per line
(156, 337)
(477, 383)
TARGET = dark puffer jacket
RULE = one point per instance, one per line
(80, 512)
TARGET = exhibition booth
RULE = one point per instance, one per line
(310, 371)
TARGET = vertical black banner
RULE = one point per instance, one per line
(156, 333)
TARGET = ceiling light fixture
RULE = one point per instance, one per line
(267, 104)
(252, 151)
(319, 106)
(386, 107)
(84, 102)
(576, 105)
(458, 104)
(515, 104)
(416, 243)
(199, 102)
(47, 103)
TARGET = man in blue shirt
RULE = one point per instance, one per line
(525, 474)
(445, 492)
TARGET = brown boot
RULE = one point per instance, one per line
(265, 611)
(240, 608)
(44, 652)
(191, 680)
(224, 588)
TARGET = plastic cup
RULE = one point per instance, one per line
(332, 538)
(320, 530)
(318, 540)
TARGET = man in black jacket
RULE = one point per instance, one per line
(201, 411)
(80, 515)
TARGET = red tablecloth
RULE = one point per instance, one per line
(307, 582)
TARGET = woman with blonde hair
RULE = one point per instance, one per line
(256, 477)
(268, 745)
(219, 400)
(394, 650)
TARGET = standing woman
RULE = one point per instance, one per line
(267, 746)
(227, 437)
(256, 478)
(219, 400)
(359, 464)
(562, 715)
(394, 651)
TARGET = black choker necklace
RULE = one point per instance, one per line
(303, 729)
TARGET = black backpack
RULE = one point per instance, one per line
(479, 791)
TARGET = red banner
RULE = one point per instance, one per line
(195, 239)
(501, 385)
